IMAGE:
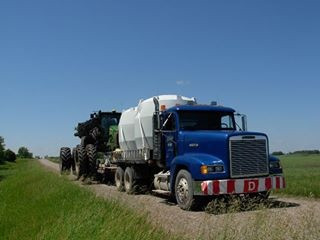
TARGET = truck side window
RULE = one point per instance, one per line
(169, 123)
(226, 122)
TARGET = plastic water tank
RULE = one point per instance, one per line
(126, 130)
(138, 122)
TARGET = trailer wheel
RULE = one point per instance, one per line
(65, 159)
(129, 180)
(184, 190)
(118, 178)
(92, 159)
(83, 163)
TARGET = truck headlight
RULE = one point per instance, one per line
(275, 164)
(211, 169)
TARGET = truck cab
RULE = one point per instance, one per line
(208, 153)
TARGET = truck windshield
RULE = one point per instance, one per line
(206, 120)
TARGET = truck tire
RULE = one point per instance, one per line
(83, 163)
(184, 190)
(92, 159)
(129, 180)
(118, 179)
(65, 159)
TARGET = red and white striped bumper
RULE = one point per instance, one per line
(239, 186)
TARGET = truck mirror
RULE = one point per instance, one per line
(244, 122)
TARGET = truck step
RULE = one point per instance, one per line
(163, 175)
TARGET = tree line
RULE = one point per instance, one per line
(306, 152)
(11, 156)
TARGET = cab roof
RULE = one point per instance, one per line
(201, 108)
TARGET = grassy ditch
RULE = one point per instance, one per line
(36, 204)
(302, 173)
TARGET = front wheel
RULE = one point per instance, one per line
(184, 190)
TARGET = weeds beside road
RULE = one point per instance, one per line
(36, 204)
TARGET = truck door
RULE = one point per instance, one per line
(170, 136)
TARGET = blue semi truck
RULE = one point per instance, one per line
(206, 155)
(189, 151)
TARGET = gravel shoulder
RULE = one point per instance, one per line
(288, 218)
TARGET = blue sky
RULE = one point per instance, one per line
(60, 60)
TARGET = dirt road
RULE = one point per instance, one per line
(287, 218)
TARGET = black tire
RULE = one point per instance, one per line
(77, 154)
(119, 179)
(183, 189)
(129, 180)
(95, 133)
(65, 159)
(82, 162)
(83, 141)
(74, 159)
(92, 159)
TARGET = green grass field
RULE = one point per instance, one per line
(302, 173)
(37, 204)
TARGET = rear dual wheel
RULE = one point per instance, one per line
(129, 180)
(92, 160)
(86, 158)
(82, 161)
(126, 180)
(118, 178)
(74, 158)
(65, 159)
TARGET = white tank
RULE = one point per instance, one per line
(126, 129)
(137, 121)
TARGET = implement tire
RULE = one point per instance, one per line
(95, 133)
(92, 159)
(74, 160)
(83, 162)
(65, 159)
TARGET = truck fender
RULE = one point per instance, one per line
(192, 163)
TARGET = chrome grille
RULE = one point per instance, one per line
(248, 157)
